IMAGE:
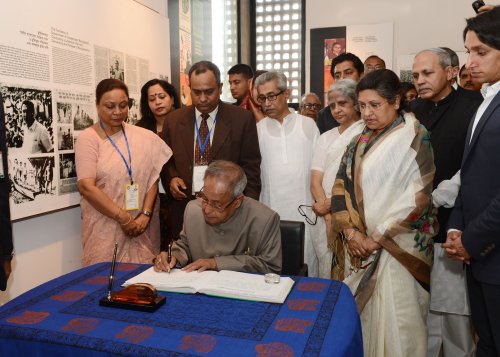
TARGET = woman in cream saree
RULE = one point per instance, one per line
(328, 151)
(382, 221)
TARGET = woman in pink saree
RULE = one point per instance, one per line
(118, 166)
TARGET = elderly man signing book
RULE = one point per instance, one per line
(224, 230)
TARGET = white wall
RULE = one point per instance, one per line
(49, 245)
(45, 248)
(417, 24)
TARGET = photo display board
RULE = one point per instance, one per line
(52, 55)
(329, 42)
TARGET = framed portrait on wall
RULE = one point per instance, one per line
(326, 44)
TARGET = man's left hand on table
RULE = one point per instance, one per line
(201, 265)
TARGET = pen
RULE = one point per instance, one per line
(169, 256)
(111, 275)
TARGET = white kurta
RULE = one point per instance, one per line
(286, 151)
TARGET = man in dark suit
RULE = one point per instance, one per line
(446, 114)
(206, 131)
(6, 246)
(474, 225)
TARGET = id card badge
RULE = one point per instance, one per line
(132, 197)
(198, 173)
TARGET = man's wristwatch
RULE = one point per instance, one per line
(146, 213)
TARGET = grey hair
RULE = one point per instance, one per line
(309, 94)
(443, 56)
(348, 89)
(455, 62)
(229, 173)
(271, 76)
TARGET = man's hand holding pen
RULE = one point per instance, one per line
(165, 261)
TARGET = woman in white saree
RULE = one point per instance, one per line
(325, 163)
(382, 220)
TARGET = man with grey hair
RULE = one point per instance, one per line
(310, 105)
(286, 142)
(455, 65)
(224, 230)
(446, 114)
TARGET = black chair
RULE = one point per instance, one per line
(292, 248)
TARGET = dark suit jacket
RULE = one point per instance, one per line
(326, 121)
(477, 208)
(447, 123)
(235, 139)
(5, 224)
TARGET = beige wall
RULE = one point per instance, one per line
(45, 248)
(417, 24)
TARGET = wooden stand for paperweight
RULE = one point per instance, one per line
(139, 297)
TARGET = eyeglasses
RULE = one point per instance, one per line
(304, 214)
(216, 206)
(311, 106)
(371, 106)
(373, 68)
(271, 97)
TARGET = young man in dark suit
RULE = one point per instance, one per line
(474, 225)
(206, 131)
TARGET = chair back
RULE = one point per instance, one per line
(292, 248)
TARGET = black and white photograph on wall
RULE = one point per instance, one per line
(67, 174)
(32, 178)
(116, 65)
(65, 137)
(83, 116)
(64, 113)
(133, 111)
(405, 75)
(28, 119)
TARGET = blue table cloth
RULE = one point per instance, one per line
(63, 318)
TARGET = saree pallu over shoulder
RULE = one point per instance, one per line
(383, 189)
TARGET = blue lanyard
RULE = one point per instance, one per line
(129, 168)
(198, 140)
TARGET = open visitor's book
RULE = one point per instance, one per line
(224, 283)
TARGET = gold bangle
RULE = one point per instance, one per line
(115, 217)
(129, 220)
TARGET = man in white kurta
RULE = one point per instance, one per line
(286, 143)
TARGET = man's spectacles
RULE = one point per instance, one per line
(302, 210)
(373, 68)
(371, 106)
(214, 205)
(271, 97)
(311, 106)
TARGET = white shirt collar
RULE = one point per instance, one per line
(212, 114)
(493, 89)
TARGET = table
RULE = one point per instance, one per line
(63, 318)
